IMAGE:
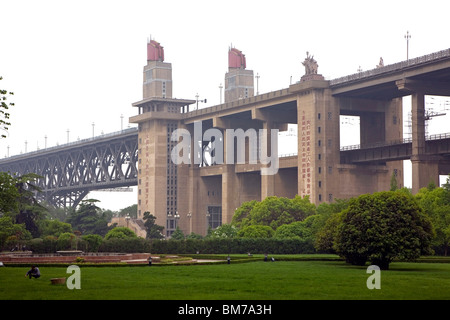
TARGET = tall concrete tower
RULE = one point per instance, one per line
(158, 117)
(239, 82)
(157, 73)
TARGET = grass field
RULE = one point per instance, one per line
(279, 280)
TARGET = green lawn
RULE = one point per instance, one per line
(279, 280)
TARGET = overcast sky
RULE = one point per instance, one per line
(74, 63)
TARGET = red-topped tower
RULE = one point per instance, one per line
(239, 83)
(157, 73)
(155, 52)
(236, 59)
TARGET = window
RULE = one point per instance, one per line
(318, 129)
(320, 169)
(318, 116)
(148, 75)
(320, 156)
(330, 197)
(320, 143)
(320, 184)
(320, 197)
(330, 115)
(214, 216)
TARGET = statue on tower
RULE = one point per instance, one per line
(311, 67)
(310, 64)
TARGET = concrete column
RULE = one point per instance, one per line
(230, 185)
(268, 181)
(418, 123)
(372, 128)
(425, 169)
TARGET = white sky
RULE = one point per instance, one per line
(74, 63)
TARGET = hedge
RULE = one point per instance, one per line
(188, 246)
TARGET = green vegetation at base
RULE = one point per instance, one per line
(279, 280)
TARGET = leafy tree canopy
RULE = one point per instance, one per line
(4, 111)
(274, 211)
(154, 231)
(256, 231)
(54, 228)
(436, 204)
(88, 219)
(120, 233)
(10, 229)
(224, 231)
(382, 226)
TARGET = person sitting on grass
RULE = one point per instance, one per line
(33, 272)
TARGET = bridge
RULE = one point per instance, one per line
(69, 171)
(197, 196)
(435, 145)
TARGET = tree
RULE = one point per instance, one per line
(30, 212)
(8, 195)
(88, 219)
(4, 113)
(131, 210)
(67, 241)
(256, 231)
(54, 228)
(224, 231)
(9, 229)
(154, 231)
(299, 229)
(120, 233)
(241, 215)
(394, 184)
(383, 226)
(93, 242)
(436, 204)
(326, 237)
(275, 211)
(177, 234)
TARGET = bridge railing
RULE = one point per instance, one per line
(71, 144)
(438, 136)
(392, 67)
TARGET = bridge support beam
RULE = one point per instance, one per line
(230, 192)
(425, 169)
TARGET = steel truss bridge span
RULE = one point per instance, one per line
(71, 170)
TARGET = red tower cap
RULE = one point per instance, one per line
(236, 59)
(155, 52)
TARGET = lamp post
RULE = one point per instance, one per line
(127, 219)
(197, 96)
(176, 216)
(257, 83)
(407, 37)
(189, 215)
(208, 215)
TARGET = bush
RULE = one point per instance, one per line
(128, 245)
(91, 242)
(256, 231)
(120, 233)
(232, 246)
(382, 227)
